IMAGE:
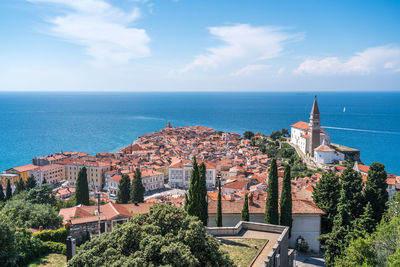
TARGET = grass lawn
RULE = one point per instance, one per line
(242, 250)
(50, 260)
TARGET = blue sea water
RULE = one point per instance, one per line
(34, 124)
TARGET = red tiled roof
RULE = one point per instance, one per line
(25, 168)
(236, 185)
(324, 148)
(301, 125)
(363, 168)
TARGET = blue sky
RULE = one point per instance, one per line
(199, 45)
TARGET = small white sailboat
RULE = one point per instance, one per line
(344, 109)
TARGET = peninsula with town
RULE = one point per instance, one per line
(282, 193)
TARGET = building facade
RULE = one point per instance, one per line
(152, 180)
(179, 174)
(53, 173)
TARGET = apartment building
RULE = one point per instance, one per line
(53, 173)
(179, 174)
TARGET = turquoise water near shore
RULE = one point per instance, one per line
(39, 123)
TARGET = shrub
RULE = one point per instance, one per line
(59, 235)
(56, 247)
(302, 246)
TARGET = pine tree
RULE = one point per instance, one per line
(82, 188)
(124, 188)
(203, 194)
(8, 190)
(137, 188)
(365, 224)
(326, 196)
(286, 201)
(271, 207)
(245, 209)
(30, 182)
(375, 190)
(194, 207)
(351, 183)
(2, 196)
(219, 206)
(337, 240)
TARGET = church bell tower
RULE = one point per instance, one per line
(315, 128)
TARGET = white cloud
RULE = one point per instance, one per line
(101, 28)
(371, 60)
(250, 70)
(243, 43)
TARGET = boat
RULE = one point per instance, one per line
(344, 109)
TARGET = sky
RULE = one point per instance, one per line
(199, 45)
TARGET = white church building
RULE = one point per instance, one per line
(312, 140)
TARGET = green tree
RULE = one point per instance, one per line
(203, 216)
(19, 186)
(8, 250)
(358, 253)
(271, 207)
(26, 214)
(82, 188)
(30, 182)
(124, 188)
(337, 240)
(44, 181)
(219, 206)
(375, 190)
(194, 208)
(326, 196)
(351, 182)
(8, 190)
(245, 209)
(166, 236)
(137, 188)
(286, 200)
(186, 202)
(248, 135)
(42, 195)
(275, 135)
(365, 224)
(2, 196)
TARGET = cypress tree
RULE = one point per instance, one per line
(375, 190)
(30, 182)
(337, 240)
(194, 207)
(245, 209)
(286, 200)
(19, 186)
(186, 202)
(352, 184)
(271, 207)
(8, 190)
(365, 224)
(326, 196)
(203, 194)
(124, 188)
(82, 188)
(219, 206)
(2, 196)
(137, 188)
(44, 181)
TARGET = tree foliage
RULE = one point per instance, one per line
(194, 206)
(124, 188)
(248, 135)
(82, 188)
(271, 207)
(137, 188)
(41, 195)
(375, 190)
(352, 185)
(30, 182)
(24, 213)
(203, 215)
(219, 205)
(2, 196)
(245, 209)
(19, 186)
(286, 200)
(167, 236)
(8, 190)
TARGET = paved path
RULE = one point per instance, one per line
(310, 164)
(309, 261)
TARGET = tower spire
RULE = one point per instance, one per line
(315, 130)
(315, 109)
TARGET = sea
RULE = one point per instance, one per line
(40, 123)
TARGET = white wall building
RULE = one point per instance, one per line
(326, 154)
(53, 173)
(179, 174)
(152, 180)
(299, 136)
